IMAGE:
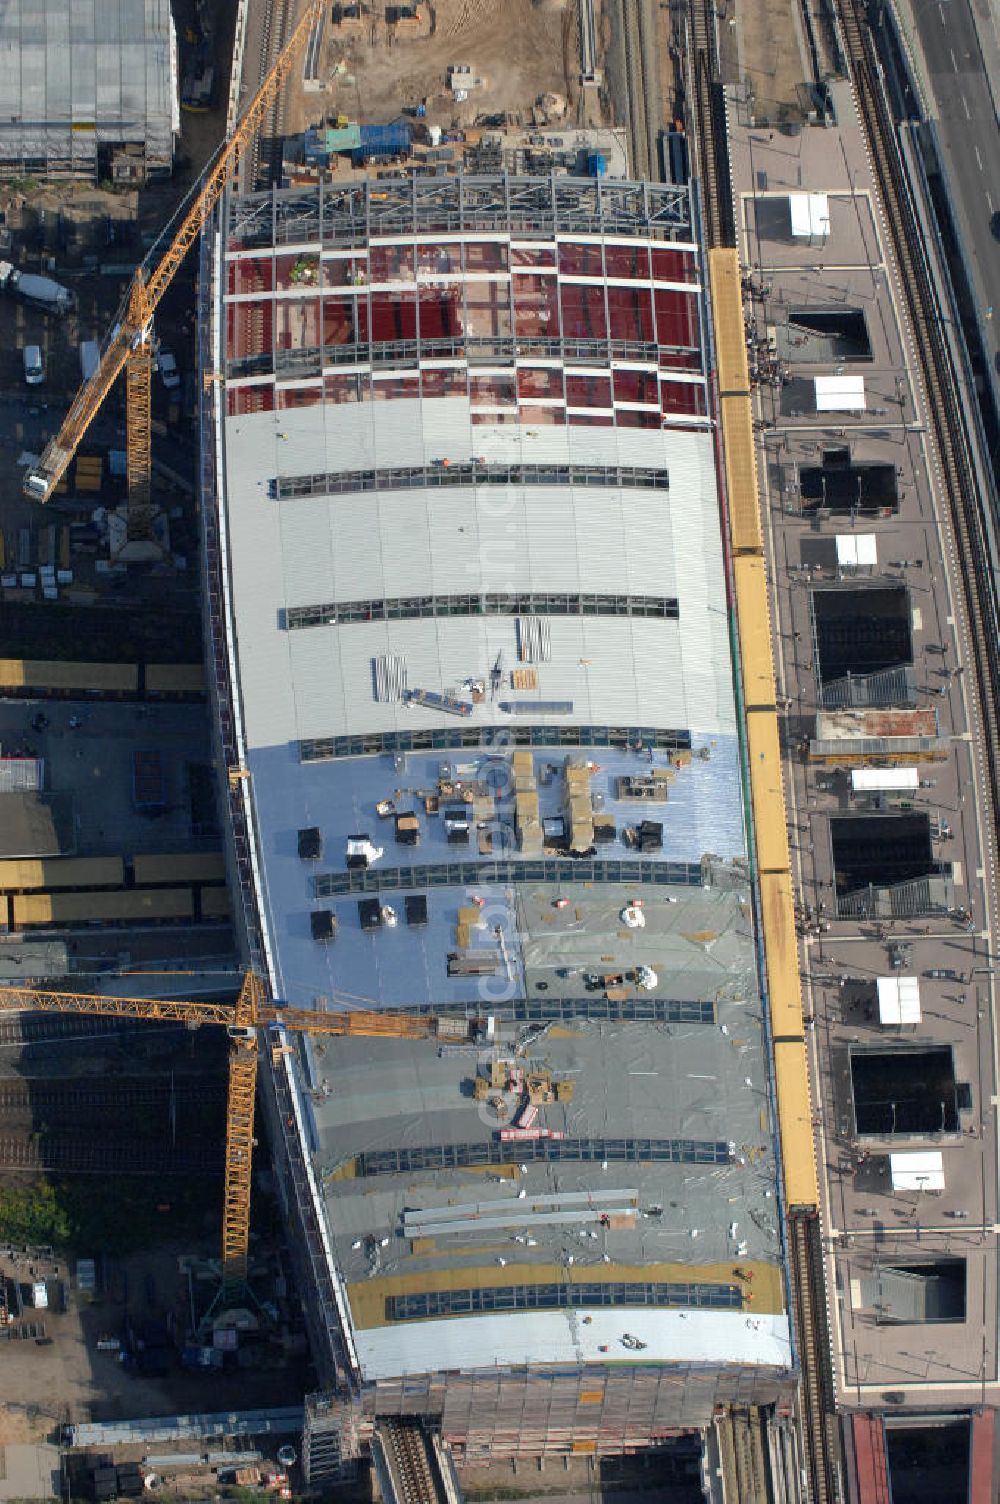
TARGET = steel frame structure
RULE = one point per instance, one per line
(535, 207)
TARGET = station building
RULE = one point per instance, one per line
(474, 676)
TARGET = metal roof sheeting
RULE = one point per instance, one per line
(923, 1171)
(809, 214)
(301, 550)
(857, 550)
(76, 74)
(840, 394)
(561, 1337)
(877, 780)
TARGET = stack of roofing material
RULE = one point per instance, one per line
(579, 806)
(470, 917)
(526, 812)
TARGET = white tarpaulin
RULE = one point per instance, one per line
(923, 1171)
(899, 1000)
(878, 780)
(856, 550)
(809, 214)
(840, 394)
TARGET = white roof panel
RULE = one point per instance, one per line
(691, 1336)
(317, 682)
(899, 1000)
(923, 1171)
(870, 780)
(856, 550)
(840, 394)
(809, 214)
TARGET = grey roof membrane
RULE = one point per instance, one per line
(703, 1082)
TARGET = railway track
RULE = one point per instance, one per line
(817, 1398)
(588, 39)
(409, 1461)
(33, 1096)
(77, 1155)
(702, 68)
(265, 153)
(943, 409)
(638, 31)
(743, 1450)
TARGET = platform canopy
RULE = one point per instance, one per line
(840, 394)
(923, 1171)
(809, 214)
(898, 1000)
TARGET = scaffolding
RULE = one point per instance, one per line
(536, 207)
(521, 1413)
(88, 90)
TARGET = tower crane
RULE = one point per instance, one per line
(129, 345)
(251, 1011)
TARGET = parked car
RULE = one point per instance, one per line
(34, 371)
(169, 374)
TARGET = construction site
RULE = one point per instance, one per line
(576, 847)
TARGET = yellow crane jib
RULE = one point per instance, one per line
(128, 343)
(241, 1020)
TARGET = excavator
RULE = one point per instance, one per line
(129, 346)
(242, 1021)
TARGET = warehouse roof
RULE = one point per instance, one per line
(78, 75)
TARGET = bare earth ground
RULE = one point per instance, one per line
(69, 1380)
(773, 56)
(517, 48)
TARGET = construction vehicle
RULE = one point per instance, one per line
(242, 1020)
(40, 292)
(129, 346)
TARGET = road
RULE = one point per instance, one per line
(953, 49)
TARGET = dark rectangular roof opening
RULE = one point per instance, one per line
(906, 1294)
(881, 850)
(904, 1092)
(931, 1461)
(862, 632)
(827, 334)
(842, 487)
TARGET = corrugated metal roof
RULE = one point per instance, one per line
(463, 540)
(88, 63)
(560, 1337)
(310, 551)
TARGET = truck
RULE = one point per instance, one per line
(30, 287)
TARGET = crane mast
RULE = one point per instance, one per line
(129, 345)
(251, 1011)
